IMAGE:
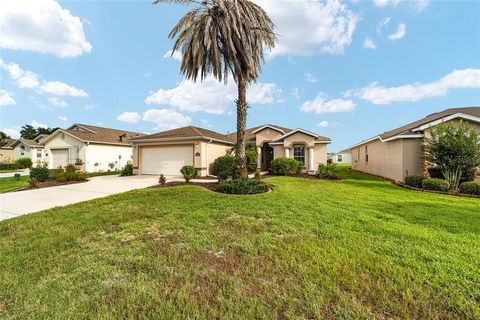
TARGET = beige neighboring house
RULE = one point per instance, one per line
(6, 151)
(98, 148)
(26, 148)
(342, 157)
(168, 151)
(397, 153)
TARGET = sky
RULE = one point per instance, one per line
(348, 70)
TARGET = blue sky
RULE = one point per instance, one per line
(346, 70)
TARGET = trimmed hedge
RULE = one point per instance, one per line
(243, 186)
(24, 163)
(8, 166)
(189, 173)
(223, 166)
(127, 170)
(436, 185)
(285, 166)
(471, 187)
(40, 174)
(70, 176)
(415, 181)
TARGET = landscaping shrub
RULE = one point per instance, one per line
(435, 173)
(471, 187)
(414, 181)
(70, 176)
(52, 173)
(24, 163)
(436, 184)
(8, 166)
(39, 173)
(127, 170)
(243, 186)
(70, 168)
(104, 173)
(257, 176)
(285, 166)
(189, 173)
(33, 183)
(162, 180)
(328, 171)
(223, 166)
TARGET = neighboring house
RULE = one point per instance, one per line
(6, 151)
(26, 148)
(97, 148)
(167, 152)
(344, 156)
(397, 153)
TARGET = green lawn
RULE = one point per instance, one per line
(8, 171)
(357, 248)
(9, 184)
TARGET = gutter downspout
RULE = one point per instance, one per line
(206, 156)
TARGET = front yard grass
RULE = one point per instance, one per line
(356, 248)
(9, 184)
(8, 171)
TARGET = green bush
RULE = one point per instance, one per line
(189, 173)
(8, 166)
(243, 186)
(70, 168)
(39, 173)
(223, 166)
(436, 184)
(24, 163)
(414, 181)
(52, 173)
(328, 171)
(471, 187)
(285, 166)
(70, 176)
(127, 170)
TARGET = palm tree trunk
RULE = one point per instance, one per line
(240, 157)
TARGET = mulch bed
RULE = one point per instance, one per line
(48, 184)
(212, 186)
(450, 193)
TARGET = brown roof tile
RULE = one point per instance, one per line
(186, 132)
(100, 134)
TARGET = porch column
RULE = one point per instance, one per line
(287, 152)
(311, 161)
(259, 158)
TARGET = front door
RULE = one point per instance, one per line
(267, 157)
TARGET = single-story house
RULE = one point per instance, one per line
(96, 148)
(29, 148)
(168, 151)
(6, 151)
(398, 153)
(344, 156)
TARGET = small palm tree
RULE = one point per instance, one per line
(223, 37)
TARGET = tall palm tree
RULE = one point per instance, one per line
(223, 37)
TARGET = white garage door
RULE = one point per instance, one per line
(166, 160)
(60, 157)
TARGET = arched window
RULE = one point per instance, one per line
(299, 153)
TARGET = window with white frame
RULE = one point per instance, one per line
(39, 154)
(339, 158)
(299, 154)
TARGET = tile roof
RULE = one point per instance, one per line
(101, 134)
(8, 143)
(407, 129)
(187, 132)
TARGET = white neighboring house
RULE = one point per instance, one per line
(26, 148)
(344, 156)
(91, 147)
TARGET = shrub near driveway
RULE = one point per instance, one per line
(472, 187)
(285, 166)
(436, 185)
(40, 174)
(243, 186)
(414, 181)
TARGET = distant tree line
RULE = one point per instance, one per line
(28, 132)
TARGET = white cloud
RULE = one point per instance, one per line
(418, 5)
(90, 107)
(131, 117)
(383, 3)
(62, 118)
(327, 124)
(206, 123)
(399, 33)
(42, 26)
(37, 124)
(61, 89)
(6, 98)
(369, 44)
(14, 133)
(296, 93)
(310, 78)
(306, 27)
(177, 55)
(382, 24)
(377, 94)
(212, 96)
(322, 104)
(166, 119)
(54, 101)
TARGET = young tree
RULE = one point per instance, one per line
(28, 132)
(454, 149)
(222, 37)
(3, 137)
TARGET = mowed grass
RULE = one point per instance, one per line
(357, 248)
(9, 184)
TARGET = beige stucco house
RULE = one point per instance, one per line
(26, 148)
(397, 153)
(6, 151)
(168, 151)
(98, 148)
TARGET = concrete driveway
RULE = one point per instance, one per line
(14, 204)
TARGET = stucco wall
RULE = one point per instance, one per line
(319, 153)
(266, 135)
(215, 150)
(6, 155)
(28, 152)
(76, 148)
(346, 158)
(103, 155)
